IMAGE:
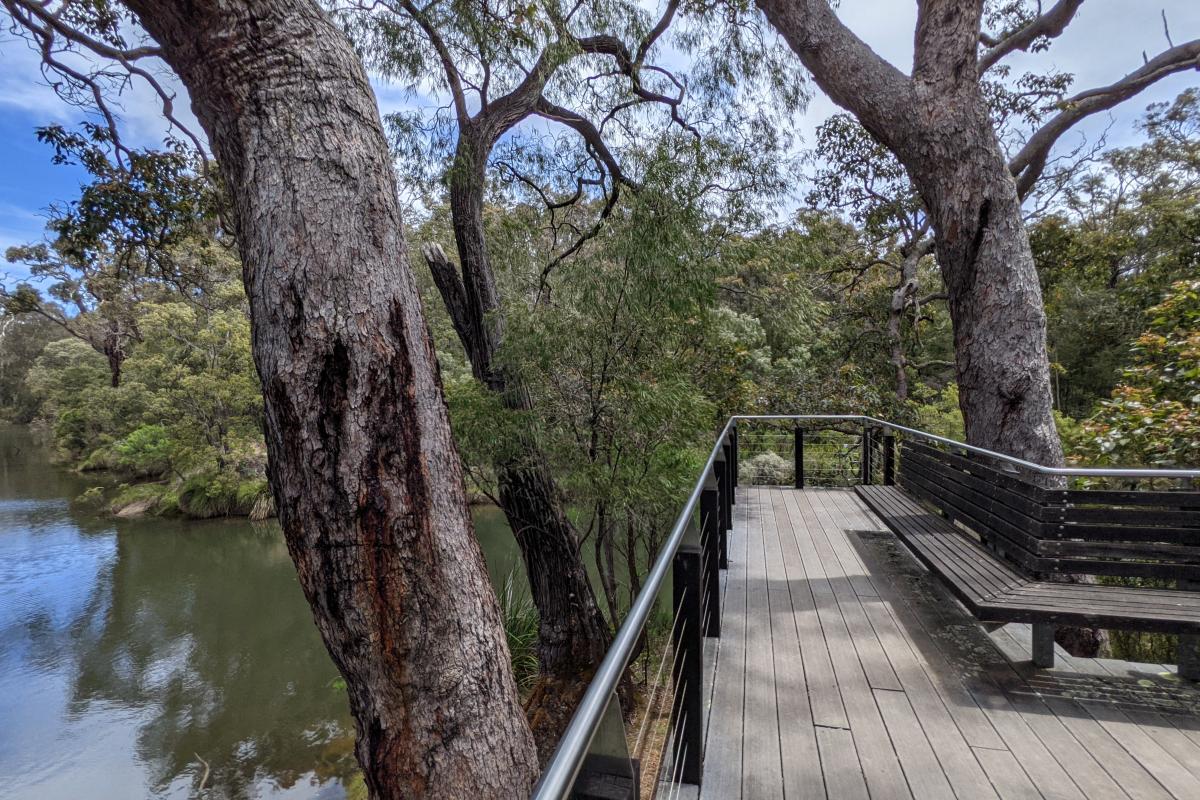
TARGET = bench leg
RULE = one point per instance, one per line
(1188, 659)
(1043, 645)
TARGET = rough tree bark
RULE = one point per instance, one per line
(936, 123)
(365, 474)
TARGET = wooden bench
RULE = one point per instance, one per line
(1012, 538)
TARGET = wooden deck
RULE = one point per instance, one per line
(845, 670)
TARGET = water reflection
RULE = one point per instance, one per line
(130, 652)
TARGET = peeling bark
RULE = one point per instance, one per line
(365, 474)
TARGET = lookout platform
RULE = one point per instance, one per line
(845, 670)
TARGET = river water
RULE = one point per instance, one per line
(132, 652)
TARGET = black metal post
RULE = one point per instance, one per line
(889, 459)
(733, 459)
(710, 542)
(687, 712)
(721, 471)
(731, 467)
(1043, 645)
(868, 435)
(799, 457)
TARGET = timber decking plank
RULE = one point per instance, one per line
(815, 614)
(826, 700)
(1174, 777)
(840, 765)
(1176, 742)
(879, 762)
(870, 651)
(1115, 759)
(921, 767)
(762, 771)
(850, 517)
(1083, 768)
(1039, 763)
(1009, 780)
(797, 738)
(931, 682)
(722, 773)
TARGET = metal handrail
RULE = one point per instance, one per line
(559, 776)
(560, 773)
(1084, 472)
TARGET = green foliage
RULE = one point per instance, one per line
(143, 498)
(1124, 232)
(145, 451)
(188, 412)
(198, 378)
(520, 620)
(942, 415)
(22, 339)
(134, 212)
(768, 469)
(219, 494)
(1153, 416)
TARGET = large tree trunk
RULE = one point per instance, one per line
(572, 633)
(936, 124)
(995, 299)
(364, 471)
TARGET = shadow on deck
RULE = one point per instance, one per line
(846, 670)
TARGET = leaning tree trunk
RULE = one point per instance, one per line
(362, 465)
(572, 633)
(936, 124)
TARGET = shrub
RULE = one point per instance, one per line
(766, 468)
(224, 494)
(521, 629)
(142, 498)
(146, 451)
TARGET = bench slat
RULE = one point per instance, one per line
(994, 592)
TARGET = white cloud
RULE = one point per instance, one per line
(23, 90)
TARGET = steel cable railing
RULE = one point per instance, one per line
(824, 450)
(682, 564)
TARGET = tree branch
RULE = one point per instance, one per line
(590, 134)
(448, 66)
(1051, 24)
(843, 65)
(454, 295)
(44, 26)
(1027, 166)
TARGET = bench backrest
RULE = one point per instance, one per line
(1146, 534)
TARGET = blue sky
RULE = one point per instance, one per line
(1106, 41)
